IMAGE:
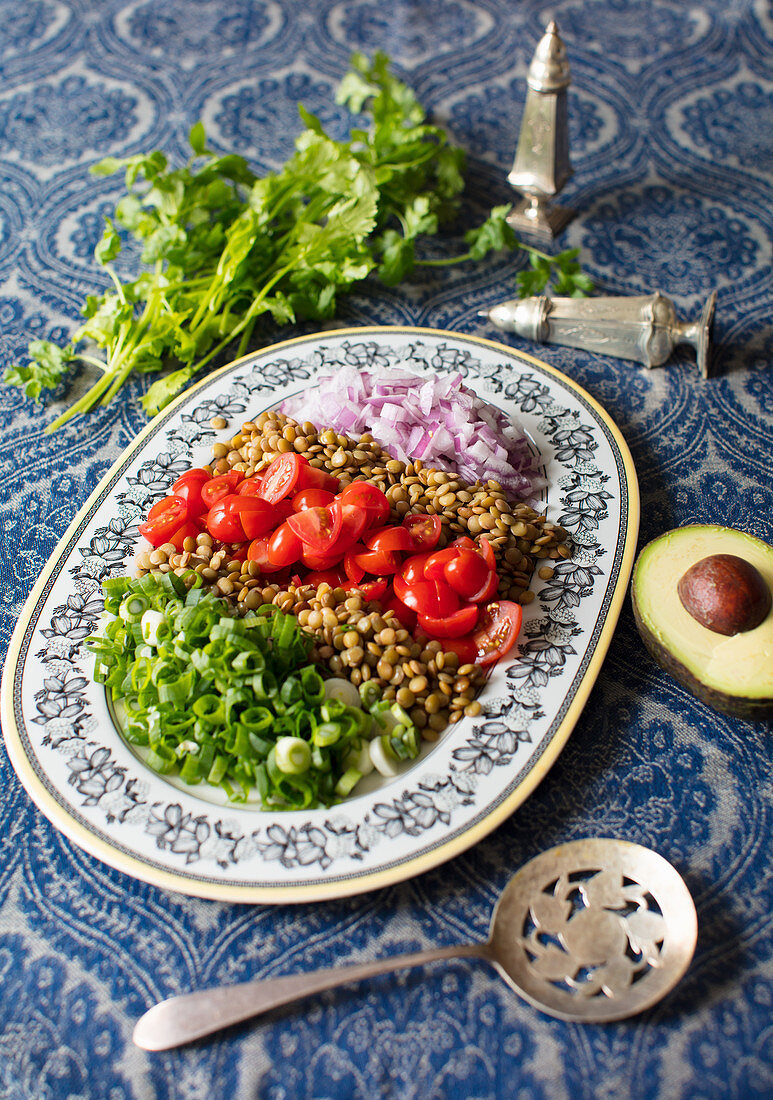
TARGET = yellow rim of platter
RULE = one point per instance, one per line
(408, 868)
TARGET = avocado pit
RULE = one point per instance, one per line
(725, 593)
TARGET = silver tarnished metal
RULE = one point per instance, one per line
(643, 328)
(592, 930)
(541, 167)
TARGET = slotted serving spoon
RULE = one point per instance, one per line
(592, 930)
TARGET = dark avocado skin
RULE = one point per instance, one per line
(737, 706)
(734, 705)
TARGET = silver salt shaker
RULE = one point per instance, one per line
(642, 328)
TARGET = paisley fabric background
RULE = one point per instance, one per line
(671, 117)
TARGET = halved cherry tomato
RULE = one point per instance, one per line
(368, 497)
(487, 550)
(390, 602)
(258, 552)
(218, 487)
(336, 578)
(413, 568)
(353, 571)
(189, 486)
(378, 562)
(313, 478)
(223, 521)
(250, 487)
(464, 542)
(464, 648)
(424, 530)
(281, 476)
(312, 498)
(172, 504)
(390, 538)
(488, 591)
(284, 508)
(164, 518)
(256, 515)
(318, 528)
(467, 573)
(450, 626)
(497, 630)
(319, 562)
(283, 547)
(353, 522)
(371, 590)
(435, 565)
(434, 598)
(188, 530)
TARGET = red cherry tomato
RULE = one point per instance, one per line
(497, 630)
(435, 565)
(258, 552)
(256, 515)
(434, 598)
(169, 505)
(318, 528)
(353, 522)
(281, 476)
(370, 590)
(312, 498)
(488, 591)
(450, 626)
(218, 487)
(353, 571)
(313, 477)
(413, 568)
(424, 531)
(223, 521)
(188, 530)
(319, 562)
(467, 573)
(464, 648)
(164, 518)
(189, 486)
(368, 497)
(250, 487)
(390, 602)
(284, 547)
(389, 538)
(378, 562)
(336, 578)
(464, 542)
(487, 550)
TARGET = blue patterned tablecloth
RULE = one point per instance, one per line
(671, 120)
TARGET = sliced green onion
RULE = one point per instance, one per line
(292, 755)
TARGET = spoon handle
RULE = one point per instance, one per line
(191, 1016)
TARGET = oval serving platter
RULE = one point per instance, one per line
(73, 762)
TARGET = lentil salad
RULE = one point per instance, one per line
(355, 637)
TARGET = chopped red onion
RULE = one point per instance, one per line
(434, 419)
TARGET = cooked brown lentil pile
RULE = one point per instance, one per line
(354, 638)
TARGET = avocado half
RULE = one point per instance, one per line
(732, 674)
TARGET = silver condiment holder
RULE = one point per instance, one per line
(641, 328)
(541, 167)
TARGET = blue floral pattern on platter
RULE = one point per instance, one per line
(476, 767)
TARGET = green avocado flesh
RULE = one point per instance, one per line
(733, 674)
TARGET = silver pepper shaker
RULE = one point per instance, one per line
(541, 167)
(642, 328)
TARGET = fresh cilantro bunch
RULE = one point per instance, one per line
(223, 250)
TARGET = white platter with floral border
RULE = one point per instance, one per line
(91, 784)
